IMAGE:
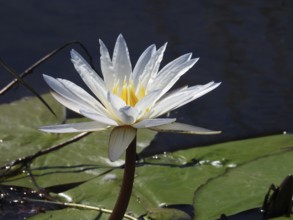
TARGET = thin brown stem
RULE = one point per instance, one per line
(127, 183)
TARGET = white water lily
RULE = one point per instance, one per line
(127, 98)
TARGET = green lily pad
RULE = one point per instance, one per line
(242, 188)
(223, 178)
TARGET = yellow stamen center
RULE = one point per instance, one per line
(128, 93)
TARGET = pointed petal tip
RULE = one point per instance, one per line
(49, 79)
(217, 84)
(189, 55)
(101, 43)
(213, 84)
(45, 76)
(47, 129)
(120, 39)
(75, 56)
(164, 46)
(193, 62)
(73, 53)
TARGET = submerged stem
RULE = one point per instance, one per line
(127, 183)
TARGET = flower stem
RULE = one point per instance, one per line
(127, 183)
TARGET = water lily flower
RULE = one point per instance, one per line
(126, 98)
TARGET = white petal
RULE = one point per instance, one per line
(59, 87)
(84, 97)
(73, 94)
(98, 118)
(183, 128)
(121, 60)
(148, 123)
(146, 102)
(107, 66)
(115, 102)
(142, 62)
(74, 106)
(152, 67)
(168, 77)
(180, 98)
(126, 114)
(173, 64)
(75, 127)
(120, 139)
(89, 76)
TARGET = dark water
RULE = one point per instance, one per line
(245, 44)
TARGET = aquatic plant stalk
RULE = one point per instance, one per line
(127, 183)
